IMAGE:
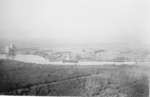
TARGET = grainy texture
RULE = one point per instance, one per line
(18, 78)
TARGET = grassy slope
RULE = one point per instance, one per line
(35, 79)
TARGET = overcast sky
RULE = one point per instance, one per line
(76, 21)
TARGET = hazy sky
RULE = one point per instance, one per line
(76, 21)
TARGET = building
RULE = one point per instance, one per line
(10, 51)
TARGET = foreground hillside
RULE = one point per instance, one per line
(18, 78)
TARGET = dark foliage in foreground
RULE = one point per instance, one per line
(117, 84)
(18, 78)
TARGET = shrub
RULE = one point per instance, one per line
(117, 84)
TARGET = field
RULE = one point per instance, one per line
(18, 78)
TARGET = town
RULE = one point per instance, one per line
(75, 55)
